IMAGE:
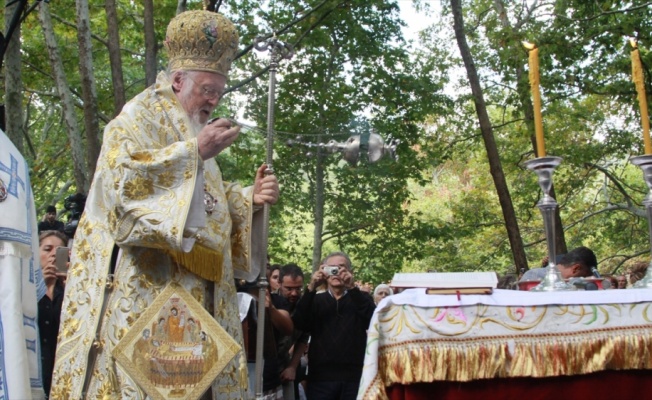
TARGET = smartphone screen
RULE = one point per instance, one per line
(61, 259)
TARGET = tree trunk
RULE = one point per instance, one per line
(114, 56)
(511, 223)
(89, 93)
(528, 111)
(13, 81)
(320, 184)
(150, 43)
(67, 101)
(319, 208)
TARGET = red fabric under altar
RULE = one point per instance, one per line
(606, 385)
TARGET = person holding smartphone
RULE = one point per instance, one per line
(49, 307)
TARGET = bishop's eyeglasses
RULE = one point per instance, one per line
(208, 93)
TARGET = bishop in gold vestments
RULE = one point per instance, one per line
(158, 195)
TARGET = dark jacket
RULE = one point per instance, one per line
(46, 226)
(49, 314)
(271, 377)
(338, 333)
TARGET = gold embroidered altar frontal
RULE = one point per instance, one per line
(175, 349)
(409, 343)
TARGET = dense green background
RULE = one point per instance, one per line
(436, 209)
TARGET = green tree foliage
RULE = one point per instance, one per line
(51, 167)
(352, 72)
(590, 119)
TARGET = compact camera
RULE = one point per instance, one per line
(331, 270)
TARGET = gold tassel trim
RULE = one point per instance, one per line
(532, 356)
(202, 261)
(593, 351)
(451, 360)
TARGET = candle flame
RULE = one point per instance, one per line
(528, 45)
(633, 43)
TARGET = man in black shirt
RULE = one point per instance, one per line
(50, 222)
(337, 320)
(292, 372)
(277, 325)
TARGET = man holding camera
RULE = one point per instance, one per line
(337, 320)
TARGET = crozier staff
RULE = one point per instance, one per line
(159, 196)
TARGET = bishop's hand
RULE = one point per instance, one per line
(215, 137)
(265, 187)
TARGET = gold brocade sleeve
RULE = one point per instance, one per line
(240, 211)
(152, 187)
(248, 252)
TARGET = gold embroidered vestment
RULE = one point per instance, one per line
(140, 200)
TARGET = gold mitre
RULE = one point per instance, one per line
(201, 41)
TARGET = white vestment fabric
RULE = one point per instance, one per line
(20, 276)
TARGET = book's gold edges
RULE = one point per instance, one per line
(482, 290)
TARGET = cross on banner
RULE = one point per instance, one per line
(12, 188)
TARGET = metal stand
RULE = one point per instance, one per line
(544, 167)
(645, 163)
(278, 51)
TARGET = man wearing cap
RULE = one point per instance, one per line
(50, 222)
(159, 198)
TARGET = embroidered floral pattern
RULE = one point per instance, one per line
(418, 343)
(143, 157)
(71, 327)
(84, 250)
(166, 179)
(138, 188)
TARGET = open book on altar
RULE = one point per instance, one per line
(448, 282)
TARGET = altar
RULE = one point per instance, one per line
(510, 345)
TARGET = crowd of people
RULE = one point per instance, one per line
(321, 353)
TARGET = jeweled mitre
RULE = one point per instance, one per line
(201, 41)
